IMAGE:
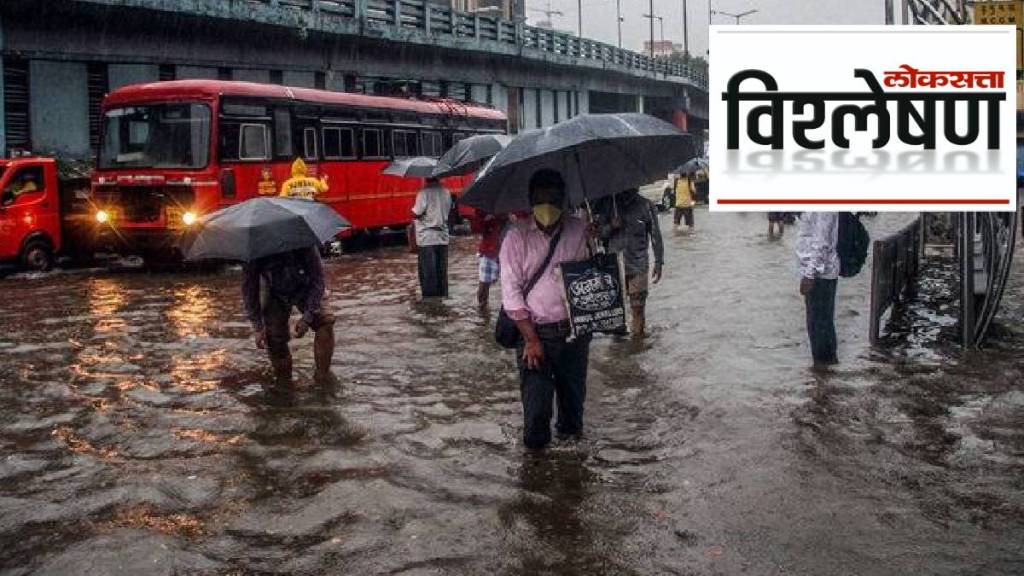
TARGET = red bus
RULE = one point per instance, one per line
(173, 151)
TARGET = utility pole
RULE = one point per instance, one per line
(618, 16)
(652, 28)
(686, 34)
(579, 16)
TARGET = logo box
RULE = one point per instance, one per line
(863, 118)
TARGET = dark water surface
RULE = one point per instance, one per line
(135, 440)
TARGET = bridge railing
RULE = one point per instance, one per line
(431, 19)
(895, 263)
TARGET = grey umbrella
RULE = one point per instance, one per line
(691, 166)
(468, 154)
(414, 167)
(261, 227)
(597, 154)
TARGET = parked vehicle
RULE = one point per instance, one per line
(41, 215)
(173, 151)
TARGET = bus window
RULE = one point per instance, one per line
(309, 144)
(283, 132)
(254, 142)
(339, 143)
(404, 143)
(373, 144)
(431, 144)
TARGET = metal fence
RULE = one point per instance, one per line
(430, 19)
(927, 12)
(896, 262)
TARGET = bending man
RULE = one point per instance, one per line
(271, 288)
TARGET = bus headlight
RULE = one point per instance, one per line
(102, 216)
(188, 218)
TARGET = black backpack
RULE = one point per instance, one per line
(852, 245)
(286, 275)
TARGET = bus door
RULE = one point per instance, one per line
(246, 151)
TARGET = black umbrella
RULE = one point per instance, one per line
(691, 166)
(597, 154)
(414, 167)
(261, 227)
(468, 154)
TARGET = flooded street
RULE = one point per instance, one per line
(135, 439)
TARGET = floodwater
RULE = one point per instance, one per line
(135, 440)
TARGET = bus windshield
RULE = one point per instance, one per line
(156, 136)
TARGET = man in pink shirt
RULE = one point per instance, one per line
(550, 364)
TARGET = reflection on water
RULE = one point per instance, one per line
(106, 297)
(131, 420)
(192, 310)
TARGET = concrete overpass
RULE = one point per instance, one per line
(61, 56)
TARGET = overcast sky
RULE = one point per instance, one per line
(599, 17)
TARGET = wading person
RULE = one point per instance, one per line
(491, 228)
(301, 185)
(818, 237)
(272, 286)
(430, 213)
(629, 225)
(776, 219)
(550, 365)
(684, 201)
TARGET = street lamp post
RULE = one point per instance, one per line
(652, 28)
(618, 16)
(579, 16)
(661, 24)
(736, 16)
(686, 34)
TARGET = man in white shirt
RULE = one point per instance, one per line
(433, 203)
(818, 236)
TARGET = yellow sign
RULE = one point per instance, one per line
(1005, 12)
(267, 186)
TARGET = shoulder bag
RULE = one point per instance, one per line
(506, 333)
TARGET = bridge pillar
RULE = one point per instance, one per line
(59, 104)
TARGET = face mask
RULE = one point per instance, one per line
(547, 215)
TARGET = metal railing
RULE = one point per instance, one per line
(928, 12)
(896, 261)
(402, 17)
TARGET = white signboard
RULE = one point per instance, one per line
(863, 118)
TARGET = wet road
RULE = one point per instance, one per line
(134, 439)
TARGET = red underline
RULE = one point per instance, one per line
(863, 201)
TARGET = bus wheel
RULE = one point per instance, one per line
(37, 255)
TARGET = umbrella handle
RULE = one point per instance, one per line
(593, 245)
